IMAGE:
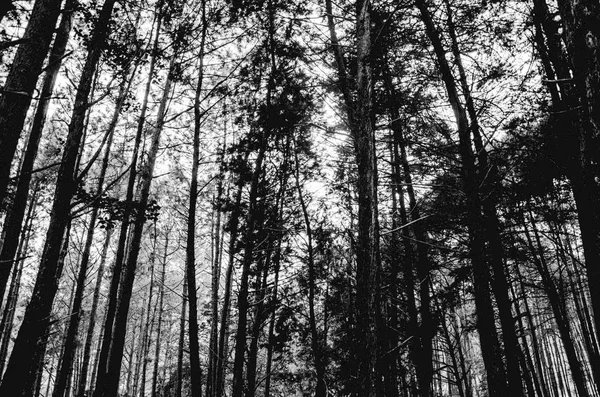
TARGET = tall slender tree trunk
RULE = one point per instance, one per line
(179, 385)
(243, 304)
(130, 366)
(110, 377)
(424, 334)
(14, 218)
(271, 334)
(21, 81)
(234, 221)
(92, 315)
(315, 338)
(212, 380)
(489, 181)
(251, 224)
(224, 323)
(160, 317)
(527, 359)
(257, 305)
(360, 118)
(560, 315)
(490, 346)
(195, 370)
(8, 314)
(148, 326)
(60, 388)
(40, 305)
(123, 233)
(580, 31)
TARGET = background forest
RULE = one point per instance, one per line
(363, 198)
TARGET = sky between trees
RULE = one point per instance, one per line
(289, 197)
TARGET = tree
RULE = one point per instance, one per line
(21, 81)
(35, 321)
(360, 120)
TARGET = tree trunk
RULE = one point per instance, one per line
(260, 284)
(424, 333)
(110, 377)
(560, 315)
(123, 233)
(148, 328)
(179, 385)
(271, 334)
(490, 346)
(581, 31)
(92, 315)
(243, 304)
(360, 118)
(40, 305)
(212, 380)
(315, 339)
(21, 81)
(14, 218)
(60, 388)
(234, 220)
(195, 370)
(251, 224)
(130, 367)
(8, 314)
(489, 181)
(160, 316)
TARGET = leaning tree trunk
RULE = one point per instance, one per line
(110, 376)
(21, 81)
(14, 218)
(560, 315)
(60, 386)
(489, 181)
(39, 307)
(102, 356)
(490, 346)
(8, 314)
